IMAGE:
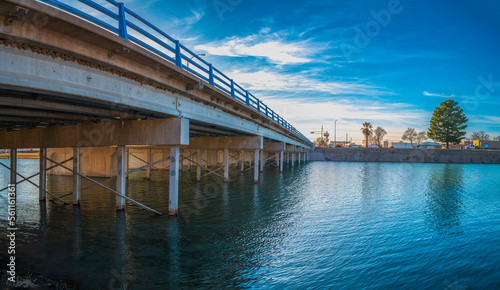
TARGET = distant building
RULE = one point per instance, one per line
(400, 145)
(486, 144)
(430, 145)
(339, 144)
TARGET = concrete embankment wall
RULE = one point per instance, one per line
(405, 155)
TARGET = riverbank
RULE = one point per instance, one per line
(404, 155)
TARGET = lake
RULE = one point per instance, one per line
(320, 225)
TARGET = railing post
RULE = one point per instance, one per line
(122, 23)
(232, 88)
(258, 105)
(247, 99)
(267, 112)
(210, 74)
(178, 56)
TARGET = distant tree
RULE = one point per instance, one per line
(410, 135)
(378, 136)
(421, 137)
(367, 131)
(448, 123)
(480, 136)
(320, 142)
(496, 138)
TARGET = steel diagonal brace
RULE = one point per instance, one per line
(46, 191)
(29, 177)
(104, 186)
(210, 171)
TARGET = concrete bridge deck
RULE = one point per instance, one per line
(68, 80)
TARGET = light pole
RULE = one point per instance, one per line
(201, 54)
(335, 134)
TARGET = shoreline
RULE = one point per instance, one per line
(406, 155)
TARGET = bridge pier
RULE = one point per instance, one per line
(13, 166)
(77, 179)
(198, 166)
(43, 174)
(173, 192)
(148, 160)
(256, 166)
(120, 176)
(226, 165)
(281, 161)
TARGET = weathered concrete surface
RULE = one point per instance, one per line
(405, 155)
(170, 131)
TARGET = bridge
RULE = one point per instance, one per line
(103, 92)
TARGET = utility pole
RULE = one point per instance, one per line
(322, 141)
(322, 135)
(335, 134)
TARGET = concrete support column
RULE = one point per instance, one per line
(13, 166)
(293, 159)
(206, 155)
(148, 159)
(127, 161)
(173, 193)
(198, 168)
(43, 174)
(261, 162)
(288, 158)
(226, 165)
(281, 161)
(242, 160)
(299, 159)
(256, 167)
(77, 179)
(121, 160)
(277, 158)
(189, 160)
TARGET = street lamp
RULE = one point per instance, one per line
(200, 54)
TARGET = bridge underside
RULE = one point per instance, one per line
(67, 84)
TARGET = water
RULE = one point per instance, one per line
(321, 225)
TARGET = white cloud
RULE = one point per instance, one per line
(189, 20)
(267, 81)
(309, 115)
(439, 95)
(268, 45)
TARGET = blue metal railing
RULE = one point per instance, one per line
(152, 38)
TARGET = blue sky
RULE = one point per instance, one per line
(387, 62)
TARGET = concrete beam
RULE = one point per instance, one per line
(171, 131)
(290, 148)
(221, 143)
(274, 146)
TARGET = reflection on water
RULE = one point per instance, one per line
(318, 225)
(444, 198)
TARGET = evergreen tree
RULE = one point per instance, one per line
(448, 123)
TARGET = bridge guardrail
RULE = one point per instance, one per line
(148, 36)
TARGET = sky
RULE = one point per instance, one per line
(390, 63)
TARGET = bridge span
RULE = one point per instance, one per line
(103, 92)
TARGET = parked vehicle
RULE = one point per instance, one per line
(471, 147)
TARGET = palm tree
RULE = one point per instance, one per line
(367, 130)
